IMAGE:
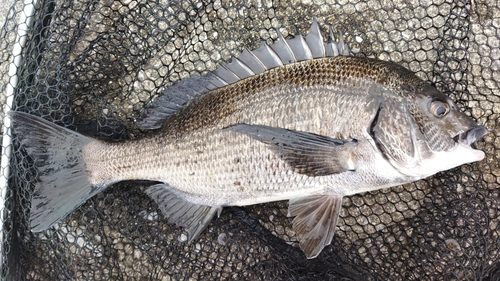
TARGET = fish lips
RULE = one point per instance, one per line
(470, 136)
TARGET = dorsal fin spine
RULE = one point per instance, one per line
(267, 56)
(252, 61)
(283, 50)
(225, 74)
(314, 40)
(300, 48)
(240, 68)
(217, 81)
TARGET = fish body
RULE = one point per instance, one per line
(298, 120)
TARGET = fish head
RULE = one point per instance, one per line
(427, 134)
(448, 132)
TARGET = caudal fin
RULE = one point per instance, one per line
(63, 184)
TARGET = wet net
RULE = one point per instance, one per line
(93, 65)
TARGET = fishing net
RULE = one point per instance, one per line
(93, 65)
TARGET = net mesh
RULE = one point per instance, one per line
(93, 65)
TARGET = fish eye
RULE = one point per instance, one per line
(439, 108)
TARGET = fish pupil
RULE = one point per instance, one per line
(441, 111)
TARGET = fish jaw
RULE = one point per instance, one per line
(470, 136)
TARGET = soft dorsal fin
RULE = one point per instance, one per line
(249, 63)
(176, 97)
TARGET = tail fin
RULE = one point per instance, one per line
(63, 184)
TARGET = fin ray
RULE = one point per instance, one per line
(300, 49)
(331, 48)
(224, 73)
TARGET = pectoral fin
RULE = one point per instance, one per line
(315, 221)
(195, 218)
(307, 153)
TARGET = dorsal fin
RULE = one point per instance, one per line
(249, 63)
(174, 98)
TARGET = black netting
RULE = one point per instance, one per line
(92, 66)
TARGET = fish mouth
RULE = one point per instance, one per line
(471, 135)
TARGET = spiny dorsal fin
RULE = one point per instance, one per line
(249, 63)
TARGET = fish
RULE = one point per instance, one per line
(302, 120)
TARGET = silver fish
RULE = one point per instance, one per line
(299, 120)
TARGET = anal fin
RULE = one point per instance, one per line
(315, 221)
(193, 217)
